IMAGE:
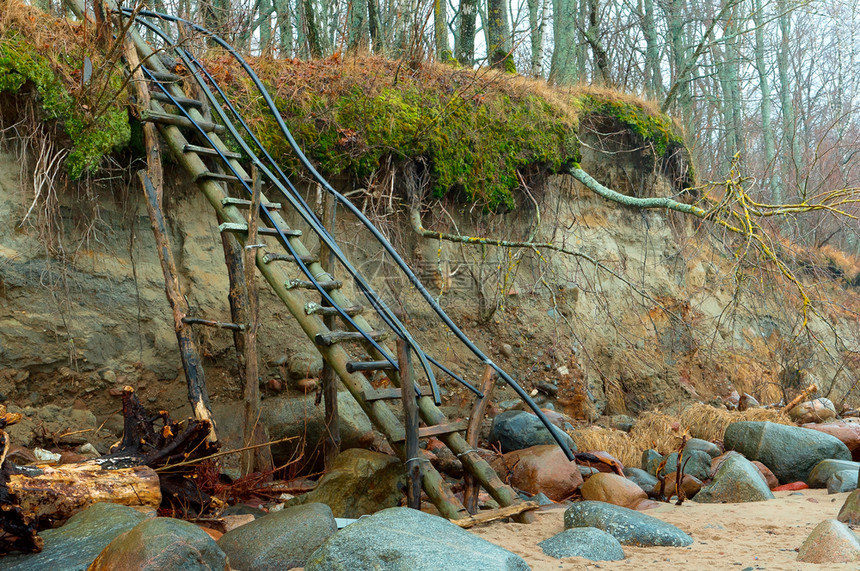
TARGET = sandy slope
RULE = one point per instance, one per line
(760, 535)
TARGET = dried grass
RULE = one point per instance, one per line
(655, 430)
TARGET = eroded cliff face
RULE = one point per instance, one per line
(649, 312)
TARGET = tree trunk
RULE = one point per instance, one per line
(563, 69)
(653, 73)
(466, 33)
(764, 87)
(440, 30)
(498, 34)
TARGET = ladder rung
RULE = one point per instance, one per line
(189, 148)
(275, 257)
(161, 76)
(388, 394)
(221, 177)
(313, 308)
(353, 366)
(302, 284)
(332, 337)
(243, 229)
(185, 102)
(440, 429)
(213, 323)
(178, 121)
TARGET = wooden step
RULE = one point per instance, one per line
(302, 284)
(389, 394)
(269, 257)
(189, 148)
(441, 429)
(213, 323)
(242, 203)
(161, 76)
(221, 177)
(185, 102)
(263, 231)
(317, 309)
(333, 337)
(178, 121)
(354, 366)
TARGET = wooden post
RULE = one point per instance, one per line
(410, 408)
(471, 487)
(331, 445)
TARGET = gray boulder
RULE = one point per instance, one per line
(736, 481)
(842, 481)
(280, 540)
(651, 461)
(162, 543)
(627, 526)
(404, 539)
(822, 471)
(588, 542)
(790, 452)
(74, 546)
(698, 444)
(696, 463)
(360, 482)
(642, 478)
(517, 429)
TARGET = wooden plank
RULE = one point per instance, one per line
(333, 337)
(388, 394)
(410, 412)
(242, 203)
(327, 285)
(317, 309)
(270, 257)
(164, 76)
(493, 515)
(470, 484)
(189, 148)
(243, 229)
(185, 102)
(443, 429)
(354, 366)
(162, 118)
(213, 323)
(221, 177)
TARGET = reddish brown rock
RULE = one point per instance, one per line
(768, 476)
(613, 489)
(542, 468)
(847, 432)
(606, 463)
(689, 484)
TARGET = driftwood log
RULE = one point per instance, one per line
(137, 472)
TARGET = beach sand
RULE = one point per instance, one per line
(756, 535)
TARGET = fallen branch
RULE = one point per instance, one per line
(804, 394)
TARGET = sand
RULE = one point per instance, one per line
(757, 535)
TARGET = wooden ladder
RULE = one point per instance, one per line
(199, 158)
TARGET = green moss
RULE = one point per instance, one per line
(655, 129)
(92, 135)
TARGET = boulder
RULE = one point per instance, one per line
(588, 542)
(847, 432)
(736, 481)
(698, 444)
(843, 481)
(695, 463)
(74, 546)
(398, 539)
(280, 540)
(628, 526)
(822, 471)
(651, 461)
(850, 511)
(613, 489)
(360, 482)
(541, 469)
(765, 472)
(830, 542)
(287, 416)
(606, 462)
(816, 410)
(789, 451)
(517, 429)
(689, 484)
(642, 478)
(162, 543)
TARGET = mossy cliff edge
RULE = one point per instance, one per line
(479, 133)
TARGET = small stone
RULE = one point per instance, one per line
(115, 391)
(690, 485)
(651, 461)
(747, 401)
(506, 350)
(698, 444)
(547, 388)
(816, 410)
(588, 542)
(275, 385)
(850, 512)
(232, 522)
(642, 478)
(307, 385)
(627, 526)
(842, 481)
(830, 542)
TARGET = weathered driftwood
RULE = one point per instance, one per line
(804, 394)
(493, 515)
(139, 471)
(471, 488)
